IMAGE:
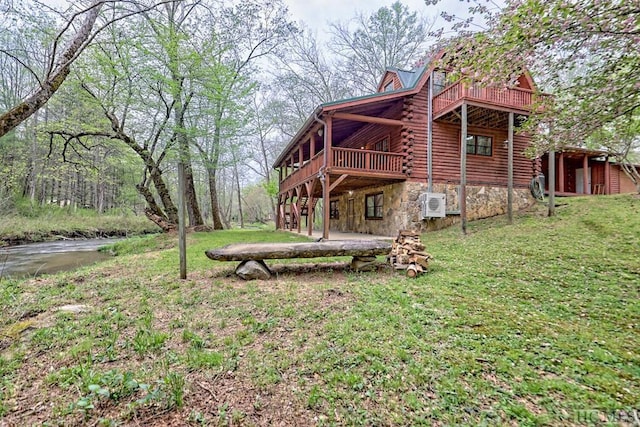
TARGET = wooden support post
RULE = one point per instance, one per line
(326, 194)
(328, 144)
(430, 136)
(311, 208)
(182, 229)
(510, 170)
(299, 209)
(312, 146)
(278, 216)
(552, 182)
(607, 176)
(300, 157)
(291, 211)
(463, 170)
(586, 188)
(561, 177)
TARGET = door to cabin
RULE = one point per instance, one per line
(580, 187)
(351, 215)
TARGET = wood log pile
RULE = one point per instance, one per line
(407, 253)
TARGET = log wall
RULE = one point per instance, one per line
(481, 170)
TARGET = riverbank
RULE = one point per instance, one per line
(534, 323)
(61, 224)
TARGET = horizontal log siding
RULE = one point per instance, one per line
(372, 133)
(419, 126)
(615, 179)
(625, 183)
(481, 170)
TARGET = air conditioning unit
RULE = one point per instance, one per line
(433, 205)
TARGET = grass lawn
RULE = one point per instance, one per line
(52, 223)
(537, 323)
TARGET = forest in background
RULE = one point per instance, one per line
(110, 92)
(230, 83)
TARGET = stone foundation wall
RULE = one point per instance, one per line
(401, 209)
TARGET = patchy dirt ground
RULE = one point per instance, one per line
(66, 347)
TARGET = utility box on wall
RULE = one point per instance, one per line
(433, 205)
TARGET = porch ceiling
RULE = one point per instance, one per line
(341, 129)
(481, 116)
(354, 182)
(579, 153)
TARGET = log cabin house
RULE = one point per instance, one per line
(574, 166)
(421, 153)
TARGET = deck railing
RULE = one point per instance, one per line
(311, 167)
(367, 160)
(515, 98)
(347, 160)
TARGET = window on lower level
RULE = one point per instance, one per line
(479, 145)
(373, 206)
(334, 213)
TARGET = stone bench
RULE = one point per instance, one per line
(252, 255)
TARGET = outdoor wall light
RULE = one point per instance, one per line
(320, 132)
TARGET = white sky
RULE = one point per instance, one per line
(317, 13)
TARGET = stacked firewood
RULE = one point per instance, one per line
(407, 253)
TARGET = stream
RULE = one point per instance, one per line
(34, 259)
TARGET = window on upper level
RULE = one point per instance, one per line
(479, 145)
(382, 145)
(439, 82)
(388, 87)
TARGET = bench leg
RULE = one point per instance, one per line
(253, 269)
(363, 263)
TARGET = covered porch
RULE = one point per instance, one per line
(579, 171)
(489, 152)
(342, 147)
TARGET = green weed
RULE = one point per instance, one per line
(527, 324)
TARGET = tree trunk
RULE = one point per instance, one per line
(328, 248)
(215, 206)
(632, 172)
(237, 176)
(267, 171)
(195, 216)
(54, 79)
(152, 167)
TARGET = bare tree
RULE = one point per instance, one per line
(57, 70)
(368, 44)
(57, 64)
(242, 35)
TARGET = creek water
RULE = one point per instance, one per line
(34, 259)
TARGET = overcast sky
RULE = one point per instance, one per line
(317, 13)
